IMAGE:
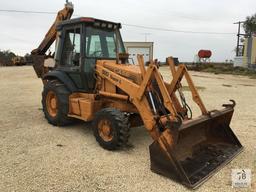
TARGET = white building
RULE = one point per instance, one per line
(142, 48)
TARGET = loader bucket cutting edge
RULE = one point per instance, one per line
(204, 146)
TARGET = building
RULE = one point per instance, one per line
(249, 52)
(246, 53)
(143, 48)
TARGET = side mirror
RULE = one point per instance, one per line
(123, 57)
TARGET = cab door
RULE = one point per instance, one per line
(99, 44)
(71, 57)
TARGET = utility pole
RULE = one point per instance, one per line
(238, 37)
(146, 36)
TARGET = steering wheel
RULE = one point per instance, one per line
(97, 54)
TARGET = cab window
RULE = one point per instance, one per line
(71, 48)
(100, 43)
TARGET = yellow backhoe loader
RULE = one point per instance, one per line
(89, 78)
(19, 61)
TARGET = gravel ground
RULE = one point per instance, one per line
(35, 156)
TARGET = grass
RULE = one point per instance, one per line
(210, 68)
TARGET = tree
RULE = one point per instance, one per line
(6, 58)
(250, 25)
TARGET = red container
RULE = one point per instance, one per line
(204, 54)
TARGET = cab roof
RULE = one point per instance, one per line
(91, 21)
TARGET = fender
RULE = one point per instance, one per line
(62, 77)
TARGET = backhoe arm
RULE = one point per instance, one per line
(39, 53)
(64, 14)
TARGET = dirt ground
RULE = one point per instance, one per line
(35, 156)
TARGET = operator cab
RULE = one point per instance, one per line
(83, 41)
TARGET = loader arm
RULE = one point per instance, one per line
(38, 54)
(137, 95)
(186, 150)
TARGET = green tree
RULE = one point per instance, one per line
(6, 58)
(250, 24)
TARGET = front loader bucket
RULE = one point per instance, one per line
(203, 146)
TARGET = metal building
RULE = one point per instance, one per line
(249, 55)
(143, 48)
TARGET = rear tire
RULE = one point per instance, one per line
(111, 128)
(55, 102)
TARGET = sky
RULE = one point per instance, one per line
(21, 32)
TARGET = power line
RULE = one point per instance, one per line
(20, 11)
(179, 31)
(29, 12)
(129, 25)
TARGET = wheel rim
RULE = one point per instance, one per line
(105, 130)
(51, 103)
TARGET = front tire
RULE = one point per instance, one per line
(55, 102)
(111, 128)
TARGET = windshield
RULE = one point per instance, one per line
(101, 43)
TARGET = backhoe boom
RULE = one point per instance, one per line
(38, 54)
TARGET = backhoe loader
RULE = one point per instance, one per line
(89, 78)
